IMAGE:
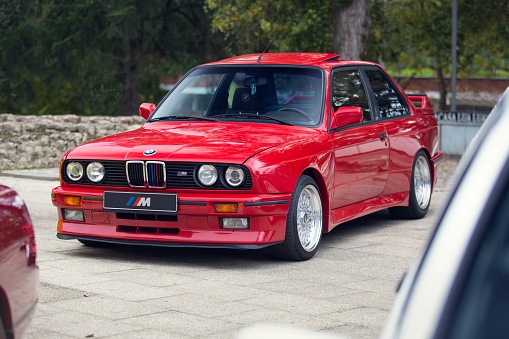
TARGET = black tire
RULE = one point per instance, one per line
(421, 185)
(302, 245)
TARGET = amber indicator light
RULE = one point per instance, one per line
(225, 207)
(72, 201)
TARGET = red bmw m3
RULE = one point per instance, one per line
(255, 151)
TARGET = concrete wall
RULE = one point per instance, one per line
(457, 129)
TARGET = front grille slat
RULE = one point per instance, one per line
(136, 173)
(156, 174)
(153, 174)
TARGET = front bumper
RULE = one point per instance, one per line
(195, 225)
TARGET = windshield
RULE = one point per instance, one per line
(288, 95)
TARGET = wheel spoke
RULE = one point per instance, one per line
(309, 218)
(422, 182)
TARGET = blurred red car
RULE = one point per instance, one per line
(256, 151)
(19, 274)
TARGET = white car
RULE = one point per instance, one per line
(459, 288)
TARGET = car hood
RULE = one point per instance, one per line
(194, 142)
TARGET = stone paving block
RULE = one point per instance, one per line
(147, 277)
(79, 324)
(107, 307)
(312, 289)
(126, 290)
(299, 304)
(49, 292)
(220, 291)
(205, 306)
(153, 334)
(34, 332)
(66, 277)
(361, 316)
(182, 323)
(284, 317)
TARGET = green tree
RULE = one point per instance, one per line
(296, 25)
(248, 26)
(90, 56)
(413, 34)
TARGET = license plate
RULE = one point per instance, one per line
(144, 203)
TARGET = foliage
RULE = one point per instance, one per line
(248, 26)
(60, 57)
(417, 35)
(86, 56)
(413, 34)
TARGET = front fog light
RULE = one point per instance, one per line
(73, 215)
(235, 223)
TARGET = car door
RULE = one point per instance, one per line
(360, 150)
(405, 133)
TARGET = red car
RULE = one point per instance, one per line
(19, 274)
(256, 151)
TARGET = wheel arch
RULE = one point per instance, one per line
(320, 181)
(431, 166)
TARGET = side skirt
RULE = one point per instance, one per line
(346, 213)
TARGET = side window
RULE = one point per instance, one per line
(348, 91)
(389, 103)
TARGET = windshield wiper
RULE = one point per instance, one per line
(180, 117)
(252, 116)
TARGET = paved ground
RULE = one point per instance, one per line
(140, 292)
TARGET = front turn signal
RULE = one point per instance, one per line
(71, 200)
(225, 207)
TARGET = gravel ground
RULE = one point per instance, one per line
(447, 169)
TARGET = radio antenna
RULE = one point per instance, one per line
(266, 48)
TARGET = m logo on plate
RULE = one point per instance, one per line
(139, 201)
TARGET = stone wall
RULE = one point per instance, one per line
(40, 141)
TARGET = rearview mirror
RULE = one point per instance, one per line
(146, 109)
(345, 116)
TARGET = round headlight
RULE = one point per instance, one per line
(95, 171)
(234, 176)
(74, 171)
(207, 175)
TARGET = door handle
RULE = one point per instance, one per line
(383, 136)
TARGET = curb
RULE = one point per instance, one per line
(50, 174)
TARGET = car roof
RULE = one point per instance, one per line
(323, 60)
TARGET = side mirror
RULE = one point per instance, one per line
(345, 116)
(146, 109)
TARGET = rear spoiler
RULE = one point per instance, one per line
(421, 103)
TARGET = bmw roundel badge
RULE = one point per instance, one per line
(149, 152)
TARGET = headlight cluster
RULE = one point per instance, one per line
(95, 171)
(208, 175)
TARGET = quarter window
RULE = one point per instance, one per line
(389, 102)
(348, 91)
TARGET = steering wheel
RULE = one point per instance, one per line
(297, 110)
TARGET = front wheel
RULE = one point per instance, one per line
(420, 190)
(303, 224)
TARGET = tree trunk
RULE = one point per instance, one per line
(130, 102)
(442, 104)
(351, 29)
